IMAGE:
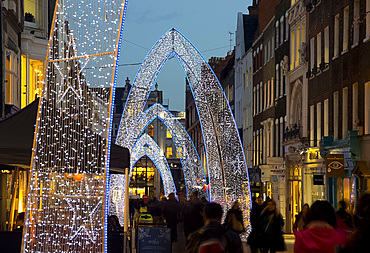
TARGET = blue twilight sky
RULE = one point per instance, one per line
(206, 23)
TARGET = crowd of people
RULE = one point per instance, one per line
(317, 228)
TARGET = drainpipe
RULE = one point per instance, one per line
(2, 109)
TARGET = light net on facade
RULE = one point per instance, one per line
(193, 170)
(146, 146)
(226, 166)
(67, 202)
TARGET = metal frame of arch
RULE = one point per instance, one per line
(145, 145)
(188, 155)
(226, 166)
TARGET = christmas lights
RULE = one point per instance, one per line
(117, 196)
(226, 166)
(67, 200)
(191, 165)
(145, 145)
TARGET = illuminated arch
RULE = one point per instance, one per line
(226, 164)
(145, 145)
(188, 155)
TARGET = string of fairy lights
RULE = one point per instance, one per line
(67, 198)
(226, 166)
(191, 163)
(146, 146)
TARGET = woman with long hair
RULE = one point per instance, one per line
(302, 219)
(234, 218)
(271, 223)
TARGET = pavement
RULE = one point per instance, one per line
(180, 245)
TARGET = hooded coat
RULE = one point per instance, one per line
(318, 237)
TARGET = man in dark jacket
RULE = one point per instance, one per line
(213, 237)
(193, 214)
(171, 213)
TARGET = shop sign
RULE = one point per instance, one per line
(318, 179)
(277, 172)
(335, 165)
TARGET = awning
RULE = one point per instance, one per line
(16, 141)
(361, 168)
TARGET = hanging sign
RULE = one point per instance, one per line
(335, 165)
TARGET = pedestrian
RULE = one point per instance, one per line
(320, 234)
(253, 238)
(234, 218)
(171, 213)
(271, 224)
(213, 237)
(156, 210)
(342, 213)
(302, 219)
(358, 241)
(193, 214)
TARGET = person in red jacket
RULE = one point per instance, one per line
(320, 235)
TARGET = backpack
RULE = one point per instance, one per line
(213, 245)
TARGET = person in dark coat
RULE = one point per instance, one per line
(171, 213)
(253, 238)
(193, 214)
(156, 210)
(234, 219)
(342, 213)
(271, 223)
(213, 237)
(358, 241)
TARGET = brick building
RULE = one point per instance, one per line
(339, 92)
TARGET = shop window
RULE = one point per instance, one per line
(169, 152)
